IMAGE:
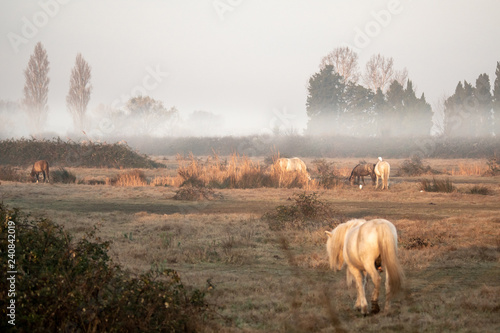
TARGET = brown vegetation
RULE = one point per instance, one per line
(278, 280)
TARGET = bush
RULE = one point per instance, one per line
(414, 167)
(306, 212)
(477, 189)
(131, 178)
(10, 173)
(69, 286)
(437, 185)
(196, 193)
(493, 167)
(328, 175)
(62, 176)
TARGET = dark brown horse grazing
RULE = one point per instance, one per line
(41, 167)
(362, 170)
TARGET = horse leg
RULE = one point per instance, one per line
(363, 179)
(372, 271)
(44, 177)
(361, 303)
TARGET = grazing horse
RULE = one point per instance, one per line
(382, 170)
(292, 164)
(362, 170)
(41, 167)
(365, 246)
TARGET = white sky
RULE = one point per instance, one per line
(250, 63)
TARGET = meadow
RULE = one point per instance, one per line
(266, 279)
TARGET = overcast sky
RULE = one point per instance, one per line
(248, 60)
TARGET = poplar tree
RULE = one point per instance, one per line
(80, 89)
(36, 88)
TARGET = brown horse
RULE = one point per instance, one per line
(41, 166)
(362, 170)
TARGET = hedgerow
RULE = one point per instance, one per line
(24, 152)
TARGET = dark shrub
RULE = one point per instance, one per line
(68, 286)
(62, 176)
(437, 185)
(306, 212)
(414, 167)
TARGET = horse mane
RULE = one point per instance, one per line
(335, 243)
(352, 172)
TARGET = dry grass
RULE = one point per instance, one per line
(470, 169)
(268, 280)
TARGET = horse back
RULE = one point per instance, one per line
(40, 166)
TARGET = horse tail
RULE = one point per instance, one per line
(387, 171)
(48, 177)
(388, 245)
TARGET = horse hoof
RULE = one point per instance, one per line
(375, 308)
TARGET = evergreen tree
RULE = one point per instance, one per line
(496, 101)
(381, 111)
(392, 122)
(325, 102)
(359, 115)
(416, 113)
(458, 111)
(482, 112)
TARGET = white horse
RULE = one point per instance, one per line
(291, 165)
(382, 170)
(364, 245)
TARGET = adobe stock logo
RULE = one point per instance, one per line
(224, 6)
(381, 19)
(30, 27)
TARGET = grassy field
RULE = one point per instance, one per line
(264, 280)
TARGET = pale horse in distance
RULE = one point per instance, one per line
(382, 170)
(364, 245)
(292, 164)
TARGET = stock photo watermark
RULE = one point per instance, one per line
(32, 24)
(11, 273)
(223, 7)
(380, 20)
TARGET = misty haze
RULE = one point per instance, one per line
(193, 166)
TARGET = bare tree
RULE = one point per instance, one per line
(79, 92)
(36, 88)
(380, 73)
(344, 61)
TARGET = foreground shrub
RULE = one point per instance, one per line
(306, 212)
(437, 185)
(75, 287)
(62, 176)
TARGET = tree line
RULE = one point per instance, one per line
(140, 114)
(341, 101)
(383, 101)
